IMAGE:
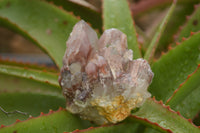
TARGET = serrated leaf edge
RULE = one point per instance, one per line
(150, 122)
(198, 67)
(170, 47)
(31, 117)
(176, 35)
(42, 67)
(171, 110)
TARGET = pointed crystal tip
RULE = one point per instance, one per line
(100, 80)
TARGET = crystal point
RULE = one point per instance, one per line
(100, 80)
(81, 41)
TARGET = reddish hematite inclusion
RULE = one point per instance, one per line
(100, 81)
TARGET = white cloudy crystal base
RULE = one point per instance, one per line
(100, 81)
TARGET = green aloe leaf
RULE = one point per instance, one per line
(10, 83)
(186, 98)
(176, 65)
(192, 25)
(30, 103)
(53, 122)
(46, 77)
(150, 5)
(41, 22)
(190, 106)
(151, 130)
(116, 14)
(155, 40)
(178, 18)
(90, 15)
(159, 115)
(126, 127)
(28, 65)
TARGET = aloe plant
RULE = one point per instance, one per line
(30, 96)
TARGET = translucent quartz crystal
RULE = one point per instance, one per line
(100, 81)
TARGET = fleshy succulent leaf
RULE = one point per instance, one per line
(178, 18)
(186, 102)
(46, 77)
(192, 25)
(155, 40)
(11, 83)
(154, 126)
(149, 5)
(41, 22)
(190, 108)
(28, 65)
(174, 67)
(90, 15)
(151, 130)
(186, 98)
(116, 14)
(54, 121)
(156, 112)
(30, 103)
(118, 128)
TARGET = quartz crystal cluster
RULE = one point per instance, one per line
(100, 80)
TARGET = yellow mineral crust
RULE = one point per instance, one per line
(117, 109)
(99, 78)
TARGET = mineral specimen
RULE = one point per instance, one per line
(100, 81)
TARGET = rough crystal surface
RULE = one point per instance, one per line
(100, 81)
